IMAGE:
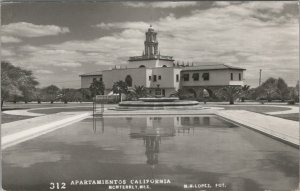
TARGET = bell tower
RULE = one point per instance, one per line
(151, 44)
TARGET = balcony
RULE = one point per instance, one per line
(137, 58)
(236, 83)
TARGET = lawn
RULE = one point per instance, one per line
(88, 107)
(5, 118)
(291, 116)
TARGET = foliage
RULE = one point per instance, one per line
(179, 93)
(97, 88)
(268, 89)
(245, 92)
(70, 95)
(51, 93)
(230, 93)
(120, 87)
(137, 92)
(273, 89)
(282, 89)
(294, 93)
(16, 82)
(86, 94)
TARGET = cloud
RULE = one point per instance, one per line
(7, 53)
(42, 71)
(70, 64)
(161, 4)
(24, 29)
(256, 34)
(10, 39)
(253, 35)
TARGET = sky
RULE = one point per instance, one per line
(58, 41)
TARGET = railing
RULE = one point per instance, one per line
(151, 56)
(103, 99)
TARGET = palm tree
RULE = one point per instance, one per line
(140, 91)
(245, 91)
(231, 93)
(120, 87)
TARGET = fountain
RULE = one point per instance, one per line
(156, 103)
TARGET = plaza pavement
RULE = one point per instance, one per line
(22, 130)
(281, 129)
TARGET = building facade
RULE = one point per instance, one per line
(162, 77)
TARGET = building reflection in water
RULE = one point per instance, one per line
(98, 120)
(155, 128)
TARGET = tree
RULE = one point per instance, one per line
(51, 93)
(231, 93)
(16, 81)
(97, 88)
(282, 89)
(38, 95)
(86, 94)
(268, 89)
(120, 87)
(140, 91)
(297, 92)
(294, 93)
(66, 95)
(245, 92)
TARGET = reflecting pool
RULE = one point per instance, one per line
(185, 150)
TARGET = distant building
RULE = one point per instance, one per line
(162, 76)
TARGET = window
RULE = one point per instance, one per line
(128, 81)
(186, 77)
(150, 78)
(94, 79)
(205, 76)
(158, 91)
(164, 66)
(100, 79)
(240, 76)
(231, 76)
(196, 76)
(142, 66)
(159, 77)
(154, 78)
(177, 77)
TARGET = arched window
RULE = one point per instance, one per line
(164, 66)
(142, 66)
(128, 81)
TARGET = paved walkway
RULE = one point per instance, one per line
(282, 129)
(20, 131)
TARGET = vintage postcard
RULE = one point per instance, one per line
(160, 96)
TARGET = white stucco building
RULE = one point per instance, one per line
(162, 76)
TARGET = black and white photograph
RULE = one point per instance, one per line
(153, 96)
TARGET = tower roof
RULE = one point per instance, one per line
(151, 28)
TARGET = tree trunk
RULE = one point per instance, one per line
(51, 101)
(231, 101)
(2, 101)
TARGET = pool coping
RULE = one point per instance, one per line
(40, 129)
